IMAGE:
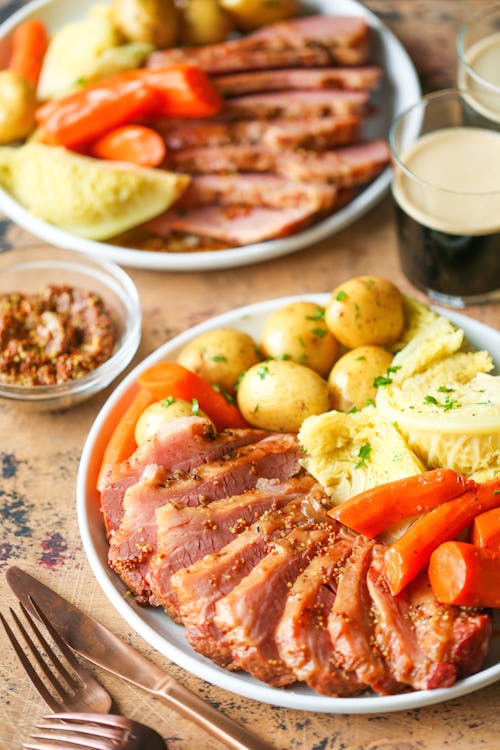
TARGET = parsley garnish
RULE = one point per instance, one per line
(364, 455)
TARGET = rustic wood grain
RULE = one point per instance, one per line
(39, 456)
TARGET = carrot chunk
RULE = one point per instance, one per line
(378, 508)
(411, 552)
(29, 45)
(137, 144)
(463, 574)
(486, 530)
(172, 379)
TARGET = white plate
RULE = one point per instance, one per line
(154, 625)
(400, 89)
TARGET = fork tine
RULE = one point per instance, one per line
(32, 674)
(85, 724)
(58, 640)
(68, 737)
(105, 720)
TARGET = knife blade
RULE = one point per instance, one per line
(102, 647)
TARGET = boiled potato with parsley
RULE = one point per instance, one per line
(158, 414)
(17, 106)
(154, 21)
(366, 310)
(252, 14)
(204, 22)
(297, 332)
(279, 394)
(220, 356)
(352, 377)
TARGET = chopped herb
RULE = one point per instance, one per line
(318, 315)
(353, 410)
(320, 332)
(195, 407)
(256, 408)
(444, 389)
(285, 357)
(341, 296)
(370, 402)
(219, 358)
(302, 359)
(263, 371)
(364, 455)
(381, 380)
(168, 401)
(431, 400)
(361, 357)
(397, 457)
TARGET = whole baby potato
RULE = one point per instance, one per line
(158, 414)
(352, 377)
(220, 356)
(279, 394)
(156, 22)
(252, 14)
(297, 332)
(365, 310)
(17, 106)
(204, 22)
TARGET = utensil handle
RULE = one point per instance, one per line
(199, 711)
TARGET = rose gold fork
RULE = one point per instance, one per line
(62, 689)
(96, 731)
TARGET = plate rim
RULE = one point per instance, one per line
(248, 254)
(143, 620)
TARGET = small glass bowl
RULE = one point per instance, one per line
(29, 271)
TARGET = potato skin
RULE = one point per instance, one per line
(252, 14)
(158, 414)
(154, 21)
(17, 106)
(351, 377)
(278, 395)
(204, 22)
(297, 332)
(220, 356)
(365, 310)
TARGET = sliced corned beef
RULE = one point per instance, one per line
(297, 105)
(355, 78)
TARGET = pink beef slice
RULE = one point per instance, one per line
(396, 637)
(456, 635)
(135, 540)
(351, 626)
(316, 133)
(186, 534)
(249, 614)
(298, 104)
(235, 225)
(308, 41)
(180, 446)
(200, 586)
(302, 635)
(356, 78)
(251, 189)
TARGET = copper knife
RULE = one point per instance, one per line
(100, 646)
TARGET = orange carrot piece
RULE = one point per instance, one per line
(172, 379)
(466, 575)
(121, 443)
(376, 509)
(29, 45)
(411, 552)
(184, 91)
(486, 530)
(137, 144)
(87, 114)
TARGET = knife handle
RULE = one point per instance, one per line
(199, 711)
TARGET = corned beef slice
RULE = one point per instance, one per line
(308, 41)
(361, 78)
(135, 540)
(249, 615)
(181, 445)
(297, 105)
(317, 133)
(187, 534)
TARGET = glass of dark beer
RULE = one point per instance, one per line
(478, 49)
(446, 188)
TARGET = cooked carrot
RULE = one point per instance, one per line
(486, 530)
(137, 144)
(29, 45)
(87, 114)
(463, 574)
(184, 91)
(374, 510)
(411, 552)
(121, 443)
(172, 379)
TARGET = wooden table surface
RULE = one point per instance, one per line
(39, 457)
